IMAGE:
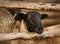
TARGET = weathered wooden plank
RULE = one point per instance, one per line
(52, 31)
(30, 5)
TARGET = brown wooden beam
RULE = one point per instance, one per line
(52, 31)
(30, 5)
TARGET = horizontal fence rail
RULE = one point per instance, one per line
(30, 5)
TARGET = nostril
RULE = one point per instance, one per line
(39, 31)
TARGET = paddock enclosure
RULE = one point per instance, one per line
(52, 19)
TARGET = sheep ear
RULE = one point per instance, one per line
(19, 16)
(44, 16)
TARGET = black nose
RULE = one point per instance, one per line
(39, 31)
